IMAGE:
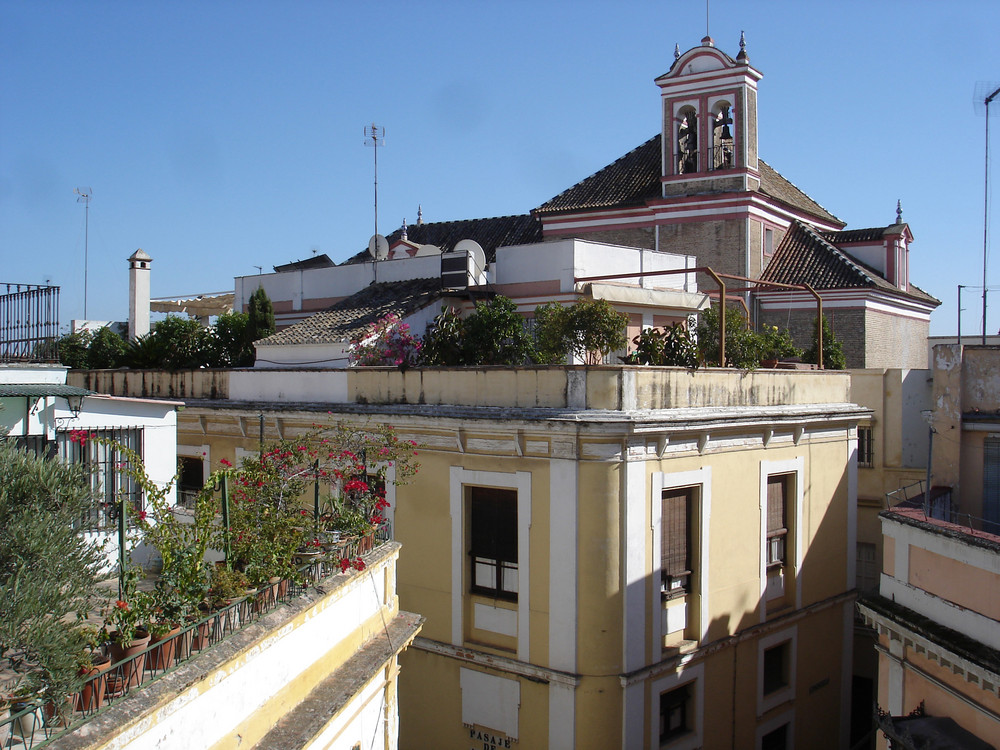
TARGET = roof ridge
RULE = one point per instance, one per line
(620, 159)
(838, 253)
(804, 193)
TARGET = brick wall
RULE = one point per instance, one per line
(869, 339)
(895, 341)
(848, 327)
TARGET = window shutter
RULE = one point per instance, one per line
(777, 493)
(675, 522)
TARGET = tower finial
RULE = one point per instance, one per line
(420, 215)
(677, 50)
(403, 235)
(742, 56)
(899, 212)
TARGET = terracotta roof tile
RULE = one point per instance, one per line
(491, 233)
(348, 317)
(634, 179)
(806, 257)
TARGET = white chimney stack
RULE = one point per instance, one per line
(138, 294)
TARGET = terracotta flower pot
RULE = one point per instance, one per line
(130, 673)
(161, 657)
(91, 696)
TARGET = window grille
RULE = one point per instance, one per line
(866, 447)
(110, 481)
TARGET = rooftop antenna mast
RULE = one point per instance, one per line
(84, 195)
(375, 137)
(706, 18)
(985, 99)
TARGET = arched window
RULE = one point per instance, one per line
(723, 153)
(687, 141)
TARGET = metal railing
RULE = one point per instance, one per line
(31, 725)
(29, 323)
(938, 506)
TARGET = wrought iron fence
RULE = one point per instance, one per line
(29, 323)
(35, 724)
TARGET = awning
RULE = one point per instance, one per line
(665, 299)
(39, 390)
(197, 306)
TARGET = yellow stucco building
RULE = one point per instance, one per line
(604, 556)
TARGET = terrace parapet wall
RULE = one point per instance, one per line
(618, 388)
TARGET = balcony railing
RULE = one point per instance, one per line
(31, 725)
(29, 323)
(937, 505)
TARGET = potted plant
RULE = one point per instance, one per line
(126, 623)
(93, 664)
(228, 585)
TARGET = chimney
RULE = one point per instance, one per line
(138, 294)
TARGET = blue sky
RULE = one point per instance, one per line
(219, 136)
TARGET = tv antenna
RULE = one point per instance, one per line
(985, 93)
(375, 137)
(84, 194)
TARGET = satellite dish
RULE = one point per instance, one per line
(378, 247)
(475, 251)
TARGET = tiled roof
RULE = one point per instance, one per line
(872, 234)
(634, 179)
(776, 186)
(491, 233)
(316, 261)
(350, 316)
(806, 257)
(630, 181)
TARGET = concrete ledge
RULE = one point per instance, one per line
(298, 728)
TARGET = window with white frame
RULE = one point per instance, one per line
(493, 541)
(677, 709)
(776, 665)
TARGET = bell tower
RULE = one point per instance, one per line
(709, 103)
(138, 293)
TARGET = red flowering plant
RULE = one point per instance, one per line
(127, 619)
(386, 342)
(269, 520)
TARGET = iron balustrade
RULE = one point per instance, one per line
(29, 323)
(37, 724)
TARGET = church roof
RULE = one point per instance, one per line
(350, 316)
(490, 233)
(634, 179)
(805, 256)
(871, 234)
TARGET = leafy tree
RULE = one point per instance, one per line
(670, 347)
(551, 326)
(48, 571)
(589, 329)
(174, 343)
(495, 334)
(73, 349)
(833, 350)
(231, 342)
(107, 350)
(744, 348)
(261, 312)
(778, 344)
(444, 341)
